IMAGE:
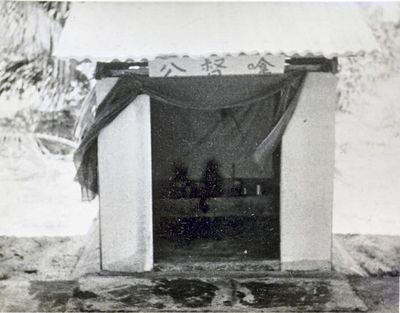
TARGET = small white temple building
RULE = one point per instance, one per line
(280, 215)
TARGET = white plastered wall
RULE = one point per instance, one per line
(124, 165)
(306, 182)
(307, 171)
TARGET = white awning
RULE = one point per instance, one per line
(135, 31)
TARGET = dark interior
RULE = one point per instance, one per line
(211, 202)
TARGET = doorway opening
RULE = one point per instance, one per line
(211, 202)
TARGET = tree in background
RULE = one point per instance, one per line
(46, 93)
(38, 93)
(34, 86)
(359, 73)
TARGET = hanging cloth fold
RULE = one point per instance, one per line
(196, 93)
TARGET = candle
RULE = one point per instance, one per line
(258, 190)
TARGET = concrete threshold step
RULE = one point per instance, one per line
(206, 274)
(268, 293)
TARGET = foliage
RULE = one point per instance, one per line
(31, 80)
(358, 73)
(27, 30)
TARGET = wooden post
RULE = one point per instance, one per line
(307, 169)
(124, 165)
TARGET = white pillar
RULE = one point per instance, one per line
(307, 170)
(125, 187)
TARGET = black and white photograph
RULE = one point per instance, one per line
(199, 156)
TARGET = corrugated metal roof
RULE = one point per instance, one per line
(107, 31)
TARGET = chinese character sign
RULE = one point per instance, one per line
(214, 65)
(262, 66)
(171, 69)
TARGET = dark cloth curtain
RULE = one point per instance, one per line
(228, 136)
(226, 95)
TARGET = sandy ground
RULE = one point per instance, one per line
(56, 258)
(38, 273)
(38, 197)
(39, 258)
(375, 255)
(367, 178)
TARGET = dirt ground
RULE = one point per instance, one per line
(380, 294)
(40, 258)
(45, 261)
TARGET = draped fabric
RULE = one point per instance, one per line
(237, 104)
